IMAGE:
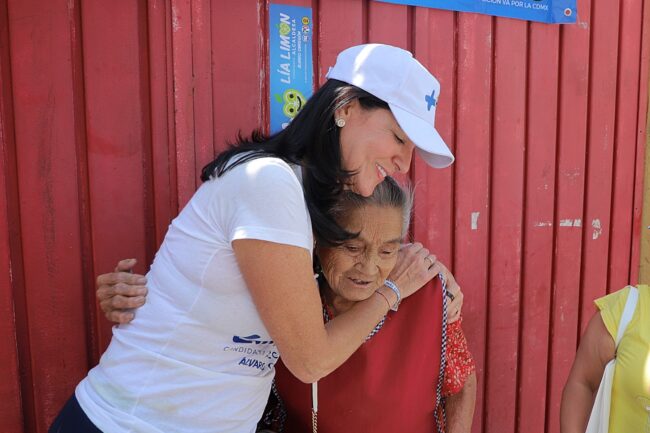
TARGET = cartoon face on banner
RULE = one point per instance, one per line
(293, 102)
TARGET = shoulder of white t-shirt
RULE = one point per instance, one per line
(265, 161)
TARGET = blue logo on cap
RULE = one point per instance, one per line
(430, 100)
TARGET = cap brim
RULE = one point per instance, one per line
(430, 144)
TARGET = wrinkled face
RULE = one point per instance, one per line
(373, 145)
(359, 267)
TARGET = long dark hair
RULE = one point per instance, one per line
(312, 141)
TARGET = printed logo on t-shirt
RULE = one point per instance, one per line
(260, 355)
(254, 339)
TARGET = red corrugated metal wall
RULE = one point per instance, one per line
(109, 109)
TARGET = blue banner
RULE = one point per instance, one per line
(290, 62)
(546, 11)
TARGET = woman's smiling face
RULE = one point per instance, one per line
(357, 268)
(373, 146)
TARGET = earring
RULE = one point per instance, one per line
(340, 122)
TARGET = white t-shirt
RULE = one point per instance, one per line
(197, 357)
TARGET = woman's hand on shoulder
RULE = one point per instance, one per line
(416, 266)
(121, 291)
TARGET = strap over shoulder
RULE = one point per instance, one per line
(628, 312)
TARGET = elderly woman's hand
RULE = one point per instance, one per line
(119, 292)
(415, 267)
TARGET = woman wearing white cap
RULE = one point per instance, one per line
(232, 284)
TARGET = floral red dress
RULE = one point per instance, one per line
(460, 363)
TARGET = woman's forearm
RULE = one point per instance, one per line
(596, 349)
(577, 401)
(281, 284)
(460, 407)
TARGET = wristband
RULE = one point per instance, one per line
(391, 285)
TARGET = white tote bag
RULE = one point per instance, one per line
(599, 419)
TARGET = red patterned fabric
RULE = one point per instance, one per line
(460, 363)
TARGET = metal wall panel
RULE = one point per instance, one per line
(108, 113)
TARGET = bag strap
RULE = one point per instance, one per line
(628, 312)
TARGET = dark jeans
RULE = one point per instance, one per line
(72, 419)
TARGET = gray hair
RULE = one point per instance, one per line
(387, 194)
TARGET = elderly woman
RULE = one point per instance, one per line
(389, 384)
(630, 392)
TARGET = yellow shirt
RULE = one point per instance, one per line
(630, 410)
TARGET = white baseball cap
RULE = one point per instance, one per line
(396, 77)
